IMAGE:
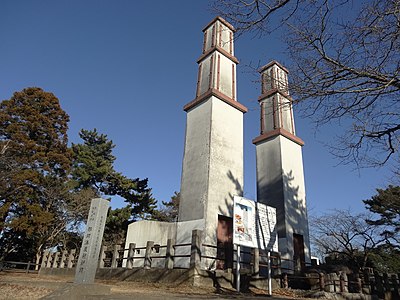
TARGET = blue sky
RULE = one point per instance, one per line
(127, 68)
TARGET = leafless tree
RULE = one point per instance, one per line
(65, 210)
(255, 15)
(345, 65)
(345, 235)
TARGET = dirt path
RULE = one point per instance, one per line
(33, 286)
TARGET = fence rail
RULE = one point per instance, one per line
(17, 266)
(257, 264)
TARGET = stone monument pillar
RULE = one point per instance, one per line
(91, 244)
(280, 175)
(212, 171)
(84, 286)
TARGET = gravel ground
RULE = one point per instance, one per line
(26, 286)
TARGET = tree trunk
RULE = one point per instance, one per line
(38, 256)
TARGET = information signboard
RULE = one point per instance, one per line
(254, 225)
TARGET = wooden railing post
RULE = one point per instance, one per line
(147, 256)
(55, 260)
(256, 261)
(63, 258)
(285, 282)
(359, 284)
(169, 260)
(45, 257)
(115, 256)
(195, 251)
(279, 263)
(342, 283)
(102, 256)
(131, 254)
(321, 281)
(28, 266)
(71, 258)
(49, 260)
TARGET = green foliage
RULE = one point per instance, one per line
(34, 161)
(34, 131)
(385, 259)
(170, 210)
(93, 161)
(386, 204)
(46, 187)
(93, 168)
(117, 225)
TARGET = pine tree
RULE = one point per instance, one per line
(93, 168)
(169, 211)
(117, 225)
(387, 205)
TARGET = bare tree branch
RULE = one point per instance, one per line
(345, 67)
(341, 233)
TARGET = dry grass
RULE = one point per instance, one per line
(26, 286)
(31, 286)
(16, 291)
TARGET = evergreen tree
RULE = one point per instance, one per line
(42, 200)
(385, 259)
(117, 225)
(93, 168)
(34, 163)
(170, 210)
(386, 204)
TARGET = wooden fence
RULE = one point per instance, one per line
(385, 286)
(20, 267)
(166, 257)
(149, 256)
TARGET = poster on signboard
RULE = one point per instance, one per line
(244, 222)
(254, 224)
